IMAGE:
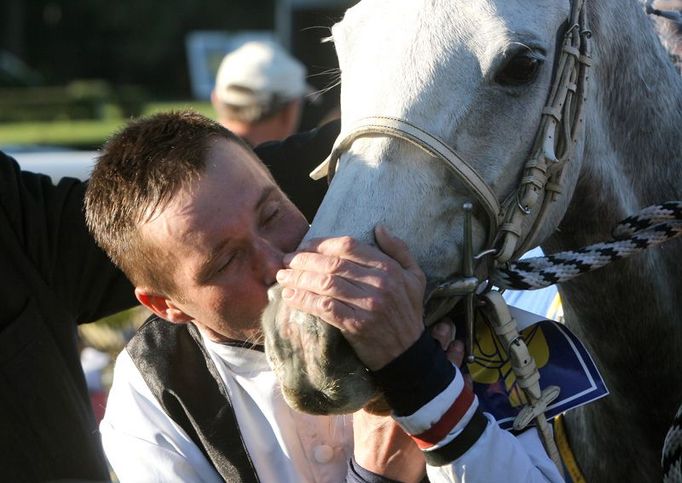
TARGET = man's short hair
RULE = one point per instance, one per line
(257, 80)
(138, 172)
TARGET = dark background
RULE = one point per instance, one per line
(142, 42)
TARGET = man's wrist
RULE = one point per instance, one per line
(431, 402)
(358, 474)
(415, 377)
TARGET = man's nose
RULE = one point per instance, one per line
(269, 260)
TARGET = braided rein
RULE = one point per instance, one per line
(650, 227)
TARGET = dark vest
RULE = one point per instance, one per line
(182, 376)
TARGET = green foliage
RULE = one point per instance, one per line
(86, 134)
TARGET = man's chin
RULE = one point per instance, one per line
(247, 335)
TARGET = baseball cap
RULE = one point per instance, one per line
(260, 73)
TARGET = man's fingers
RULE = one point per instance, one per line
(347, 248)
(332, 311)
(455, 352)
(395, 248)
(360, 292)
(443, 331)
(322, 263)
(346, 256)
(326, 266)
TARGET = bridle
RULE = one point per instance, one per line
(514, 223)
(560, 127)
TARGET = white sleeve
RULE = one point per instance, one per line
(499, 456)
(141, 442)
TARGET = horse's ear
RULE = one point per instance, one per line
(162, 306)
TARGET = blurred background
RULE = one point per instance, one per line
(72, 71)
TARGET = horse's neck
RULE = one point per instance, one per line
(628, 313)
(632, 159)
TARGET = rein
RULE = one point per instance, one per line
(650, 227)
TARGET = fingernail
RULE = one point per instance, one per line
(385, 229)
(282, 276)
(287, 293)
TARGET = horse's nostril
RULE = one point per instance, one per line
(309, 400)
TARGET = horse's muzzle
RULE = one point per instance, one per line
(318, 370)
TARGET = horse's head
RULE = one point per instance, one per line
(477, 75)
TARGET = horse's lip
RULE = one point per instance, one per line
(318, 403)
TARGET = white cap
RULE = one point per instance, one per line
(260, 73)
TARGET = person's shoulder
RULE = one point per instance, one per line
(22, 189)
(9, 172)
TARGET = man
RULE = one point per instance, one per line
(198, 224)
(259, 92)
(54, 277)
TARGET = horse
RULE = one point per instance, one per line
(477, 75)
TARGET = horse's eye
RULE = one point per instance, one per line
(521, 69)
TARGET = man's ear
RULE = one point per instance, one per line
(217, 103)
(162, 306)
(290, 115)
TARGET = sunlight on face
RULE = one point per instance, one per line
(227, 233)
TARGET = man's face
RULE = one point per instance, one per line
(226, 235)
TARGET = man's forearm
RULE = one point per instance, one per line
(435, 407)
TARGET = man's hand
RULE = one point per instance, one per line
(374, 297)
(444, 332)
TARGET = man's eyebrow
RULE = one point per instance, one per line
(265, 194)
(206, 268)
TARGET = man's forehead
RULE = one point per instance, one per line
(170, 223)
(233, 152)
(224, 196)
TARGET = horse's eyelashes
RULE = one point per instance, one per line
(520, 70)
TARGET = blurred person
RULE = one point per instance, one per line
(201, 228)
(259, 92)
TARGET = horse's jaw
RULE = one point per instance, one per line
(317, 369)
